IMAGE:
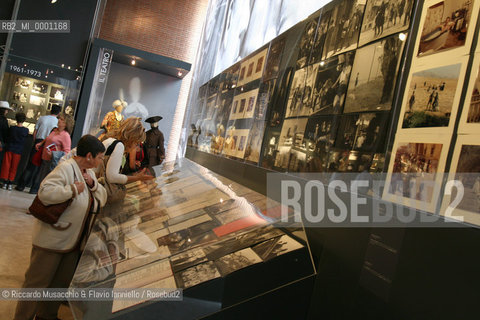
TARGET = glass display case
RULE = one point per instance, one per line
(192, 229)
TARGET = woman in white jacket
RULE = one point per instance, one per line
(56, 248)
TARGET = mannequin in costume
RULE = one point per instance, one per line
(114, 118)
(154, 148)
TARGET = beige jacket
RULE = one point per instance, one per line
(58, 187)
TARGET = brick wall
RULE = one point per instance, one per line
(170, 28)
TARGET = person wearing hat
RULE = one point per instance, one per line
(4, 108)
(155, 150)
(114, 118)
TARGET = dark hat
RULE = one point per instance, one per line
(154, 119)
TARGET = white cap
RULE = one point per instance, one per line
(5, 105)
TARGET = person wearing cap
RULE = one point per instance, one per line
(4, 108)
(155, 150)
(114, 119)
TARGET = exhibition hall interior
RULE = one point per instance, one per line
(265, 159)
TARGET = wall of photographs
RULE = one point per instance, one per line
(35, 97)
(324, 97)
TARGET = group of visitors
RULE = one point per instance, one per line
(56, 248)
(51, 141)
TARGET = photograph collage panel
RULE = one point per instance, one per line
(330, 81)
(465, 167)
(447, 25)
(383, 18)
(244, 105)
(252, 68)
(374, 75)
(344, 28)
(432, 97)
(235, 142)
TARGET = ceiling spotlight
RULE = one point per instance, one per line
(402, 36)
(53, 1)
(63, 66)
(322, 63)
(133, 62)
(179, 73)
(68, 67)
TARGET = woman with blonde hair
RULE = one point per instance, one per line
(119, 143)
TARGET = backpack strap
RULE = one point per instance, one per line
(111, 147)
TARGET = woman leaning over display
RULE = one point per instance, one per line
(56, 248)
(129, 135)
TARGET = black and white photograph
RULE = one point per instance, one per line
(18, 96)
(274, 58)
(291, 136)
(23, 83)
(414, 169)
(254, 144)
(40, 88)
(57, 93)
(197, 274)
(465, 168)
(307, 107)
(187, 259)
(345, 27)
(431, 97)
(330, 84)
(306, 42)
(37, 100)
(295, 95)
(363, 132)
(374, 75)
(320, 38)
(338, 161)
(236, 261)
(319, 138)
(446, 26)
(321, 131)
(275, 247)
(383, 18)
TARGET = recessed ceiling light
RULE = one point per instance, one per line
(133, 62)
(179, 73)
